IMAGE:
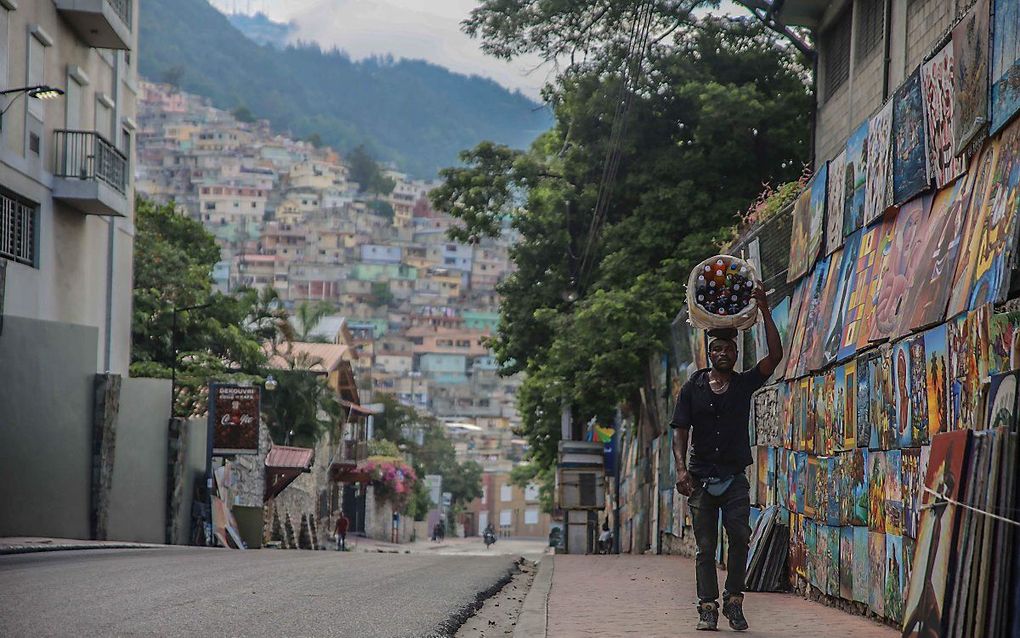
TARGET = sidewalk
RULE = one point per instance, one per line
(654, 596)
(29, 544)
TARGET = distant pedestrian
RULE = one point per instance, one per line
(712, 410)
(342, 525)
(605, 538)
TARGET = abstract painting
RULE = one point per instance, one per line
(876, 491)
(925, 601)
(857, 462)
(910, 465)
(878, 189)
(765, 404)
(899, 269)
(894, 581)
(806, 235)
(937, 87)
(842, 288)
(970, 75)
(859, 293)
(860, 566)
(977, 187)
(910, 169)
(846, 561)
(849, 405)
(918, 391)
(893, 492)
(932, 281)
(1002, 393)
(876, 569)
(1005, 63)
(994, 247)
(855, 176)
(835, 201)
(885, 236)
(1003, 344)
(936, 357)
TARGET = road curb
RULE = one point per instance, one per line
(68, 547)
(533, 620)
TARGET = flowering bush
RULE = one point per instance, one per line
(392, 477)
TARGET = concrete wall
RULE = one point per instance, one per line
(138, 495)
(46, 399)
(194, 473)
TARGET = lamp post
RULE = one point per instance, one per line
(37, 92)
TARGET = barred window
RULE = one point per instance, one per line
(836, 53)
(869, 27)
(17, 229)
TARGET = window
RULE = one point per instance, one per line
(506, 493)
(506, 518)
(531, 492)
(871, 21)
(836, 53)
(531, 516)
(17, 229)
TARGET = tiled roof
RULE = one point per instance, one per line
(315, 357)
(285, 456)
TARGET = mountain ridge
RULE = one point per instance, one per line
(412, 113)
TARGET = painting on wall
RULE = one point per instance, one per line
(901, 387)
(832, 492)
(858, 299)
(932, 282)
(1003, 342)
(876, 491)
(846, 561)
(1005, 93)
(796, 555)
(808, 328)
(855, 176)
(832, 558)
(810, 551)
(899, 268)
(857, 472)
(861, 572)
(878, 189)
(918, 389)
(910, 466)
(800, 477)
(765, 405)
(970, 75)
(910, 166)
(936, 357)
(835, 202)
(885, 237)
(762, 467)
(849, 405)
(862, 431)
(893, 492)
(811, 487)
(883, 409)
(876, 569)
(842, 286)
(925, 600)
(838, 433)
(807, 231)
(978, 184)
(894, 580)
(937, 88)
(1002, 393)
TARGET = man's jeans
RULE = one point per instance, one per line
(735, 504)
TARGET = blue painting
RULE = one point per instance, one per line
(855, 174)
(1005, 63)
(910, 168)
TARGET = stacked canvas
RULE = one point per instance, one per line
(766, 558)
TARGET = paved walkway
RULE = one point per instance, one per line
(654, 596)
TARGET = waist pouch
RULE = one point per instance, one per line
(717, 486)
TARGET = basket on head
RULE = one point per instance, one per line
(719, 294)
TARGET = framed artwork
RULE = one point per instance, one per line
(876, 491)
(894, 579)
(910, 165)
(855, 176)
(910, 466)
(878, 188)
(978, 185)
(936, 356)
(899, 270)
(876, 569)
(858, 475)
(835, 202)
(970, 75)
(861, 571)
(1003, 344)
(1005, 93)
(808, 228)
(893, 492)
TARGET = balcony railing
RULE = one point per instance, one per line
(87, 155)
(353, 451)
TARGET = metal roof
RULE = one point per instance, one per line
(287, 457)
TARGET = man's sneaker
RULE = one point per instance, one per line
(708, 615)
(733, 609)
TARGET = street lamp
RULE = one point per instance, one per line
(37, 92)
(270, 383)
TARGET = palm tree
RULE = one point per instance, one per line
(308, 316)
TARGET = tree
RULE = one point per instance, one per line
(307, 316)
(243, 114)
(302, 407)
(714, 115)
(366, 172)
(381, 294)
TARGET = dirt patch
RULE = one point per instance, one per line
(499, 613)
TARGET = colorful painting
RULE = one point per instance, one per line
(932, 282)
(883, 410)
(762, 467)
(970, 75)
(832, 491)
(876, 569)
(846, 561)
(910, 169)
(901, 374)
(1003, 344)
(835, 202)
(936, 355)
(855, 173)
(894, 580)
(826, 308)
(849, 405)
(793, 477)
(977, 187)
(855, 469)
(808, 328)
(862, 432)
(838, 433)
(900, 264)
(860, 567)
(994, 244)
(794, 328)
(782, 470)
(876, 491)
(937, 88)
(796, 555)
(893, 492)
(1002, 393)
(885, 236)
(770, 477)
(918, 389)
(878, 189)
(831, 557)
(765, 406)
(1005, 63)
(811, 487)
(859, 294)
(910, 480)
(808, 228)
(841, 286)
(925, 601)
(810, 551)
(801, 475)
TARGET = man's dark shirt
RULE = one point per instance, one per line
(720, 445)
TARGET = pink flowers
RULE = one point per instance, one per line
(392, 477)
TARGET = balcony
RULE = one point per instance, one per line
(104, 24)
(90, 174)
(344, 464)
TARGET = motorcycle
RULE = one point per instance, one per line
(490, 538)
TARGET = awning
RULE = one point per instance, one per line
(284, 464)
(354, 407)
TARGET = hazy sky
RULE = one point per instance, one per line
(423, 29)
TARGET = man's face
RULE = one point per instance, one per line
(723, 354)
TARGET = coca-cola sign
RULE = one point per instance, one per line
(235, 418)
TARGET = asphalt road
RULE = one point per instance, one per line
(215, 592)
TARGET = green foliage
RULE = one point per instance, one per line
(381, 294)
(366, 172)
(383, 447)
(410, 112)
(419, 504)
(544, 476)
(243, 114)
(307, 316)
(718, 113)
(301, 408)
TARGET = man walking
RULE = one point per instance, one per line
(342, 525)
(712, 414)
